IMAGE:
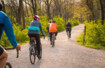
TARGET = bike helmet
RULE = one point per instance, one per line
(38, 17)
(1, 6)
(53, 21)
(68, 21)
(35, 17)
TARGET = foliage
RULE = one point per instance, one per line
(95, 35)
(81, 13)
(22, 35)
(74, 22)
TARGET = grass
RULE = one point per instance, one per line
(89, 45)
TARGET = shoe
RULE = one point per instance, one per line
(39, 57)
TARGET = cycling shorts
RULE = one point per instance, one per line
(1, 50)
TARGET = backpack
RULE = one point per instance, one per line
(1, 26)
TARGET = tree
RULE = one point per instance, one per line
(102, 3)
(48, 5)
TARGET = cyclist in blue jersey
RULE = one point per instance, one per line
(5, 25)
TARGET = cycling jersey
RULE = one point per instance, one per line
(53, 28)
(7, 27)
(68, 27)
(36, 24)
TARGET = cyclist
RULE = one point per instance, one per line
(33, 31)
(53, 29)
(5, 25)
(68, 29)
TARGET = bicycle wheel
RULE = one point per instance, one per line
(32, 55)
(8, 65)
(53, 44)
(53, 38)
(68, 35)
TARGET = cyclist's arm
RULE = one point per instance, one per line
(41, 29)
(9, 31)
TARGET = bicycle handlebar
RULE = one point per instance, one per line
(12, 49)
(43, 35)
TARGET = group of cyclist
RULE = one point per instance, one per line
(33, 31)
(52, 28)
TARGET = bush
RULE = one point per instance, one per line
(95, 35)
(74, 22)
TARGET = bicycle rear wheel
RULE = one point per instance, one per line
(8, 65)
(53, 44)
(32, 55)
(53, 39)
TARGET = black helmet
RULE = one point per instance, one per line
(53, 21)
(0, 6)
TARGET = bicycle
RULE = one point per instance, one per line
(68, 34)
(68, 31)
(53, 40)
(8, 65)
(33, 51)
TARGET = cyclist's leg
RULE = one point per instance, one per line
(3, 57)
(54, 37)
(69, 33)
(31, 35)
(50, 36)
(37, 36)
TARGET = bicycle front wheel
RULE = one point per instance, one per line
(32, 55)
(8, 65)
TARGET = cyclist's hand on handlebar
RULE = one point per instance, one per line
(44, 36)
(18, 47)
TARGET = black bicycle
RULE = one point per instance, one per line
(33, 50)
(68, 34)
(53, 40)
(8, 65)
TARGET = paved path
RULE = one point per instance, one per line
(66, 54)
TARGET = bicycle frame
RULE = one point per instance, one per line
(53, 39)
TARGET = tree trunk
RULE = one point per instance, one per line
(48, 9)
(91, 8)
(19, 15)
(3, 6)
(102, 2)
(23, 15)
(34, 6)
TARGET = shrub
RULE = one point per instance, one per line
(95, 35)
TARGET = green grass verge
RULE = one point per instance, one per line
(89, 45)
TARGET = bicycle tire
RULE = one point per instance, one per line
(32, 54)
(8, 65)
